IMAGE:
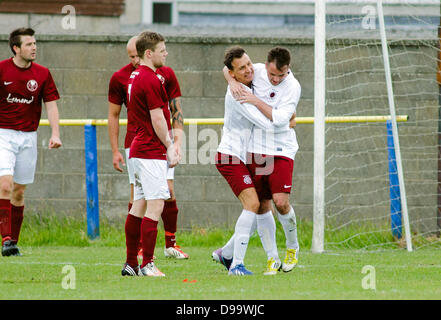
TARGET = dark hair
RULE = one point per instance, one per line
(280, 56)
(15, 37)
(231, 54)
(147, 40)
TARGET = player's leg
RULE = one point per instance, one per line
(236, 174)
(8, 152)
(153, 179)
(281, 184)
(132, 229)
(24, 173)
(133, 222)
(266, 228)
(149, 233)
(260, 168)
(224, 255)
(250, 202)
(5, 215)
(170, 220)
(17, 208)
(131, 175)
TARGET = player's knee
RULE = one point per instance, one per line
(252, 205)
(18, 194)
(282, 205)
(5, 188)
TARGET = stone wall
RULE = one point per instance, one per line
(83, 65)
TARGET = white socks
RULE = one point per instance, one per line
(289, 225)
(241, 236)
(228, 248)
(266, 228)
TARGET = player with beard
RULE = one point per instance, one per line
(24, 85)
(152, 152)
(117, 97)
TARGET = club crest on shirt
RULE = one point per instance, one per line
(161, 78)
(272, 94)
(32, 85)
(247, 179)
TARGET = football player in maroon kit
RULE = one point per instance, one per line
(117, 97)
(152, 151)
(24, 85)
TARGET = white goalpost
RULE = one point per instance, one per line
(376, 58)
(390, 95)
(317, 245)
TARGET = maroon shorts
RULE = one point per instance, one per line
(270, 174)
(234, 171)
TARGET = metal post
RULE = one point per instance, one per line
(394, 186)
(93, 224)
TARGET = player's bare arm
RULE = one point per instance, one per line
(160, 126)
(113, 127)
(248, 97)
(53, 117)
(177, 123)
(235, 86)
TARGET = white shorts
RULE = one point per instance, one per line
(18, 155)
(129, 165)
(150, 179)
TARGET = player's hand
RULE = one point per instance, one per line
(172, 156)
(248, 97)
(292, 121)
(54, 142)
(178, 151)
(117, 159)
(236, 89)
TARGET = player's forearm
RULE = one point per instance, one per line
(160, 127)
(53, 117)
(177, 119)
(266, 109)
(113, 127)
(227, 75)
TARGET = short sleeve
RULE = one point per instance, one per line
(50, 92)
(117, 92)
(172, 85)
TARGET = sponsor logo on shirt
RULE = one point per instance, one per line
(7, 83)
(32, 85)
(12, 99)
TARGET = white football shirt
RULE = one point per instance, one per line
(239, 120)
(283, 98)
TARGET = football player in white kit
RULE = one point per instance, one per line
(239, 120)
(270, 161)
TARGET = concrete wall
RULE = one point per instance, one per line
(82, 66)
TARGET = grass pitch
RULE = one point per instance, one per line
(38, 274)
(59, 262)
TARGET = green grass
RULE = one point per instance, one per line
(399, 275)
(49, 244)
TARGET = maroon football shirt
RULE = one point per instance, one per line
(146, 92)
(118, 92)
(118, 95)
(22, 91)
